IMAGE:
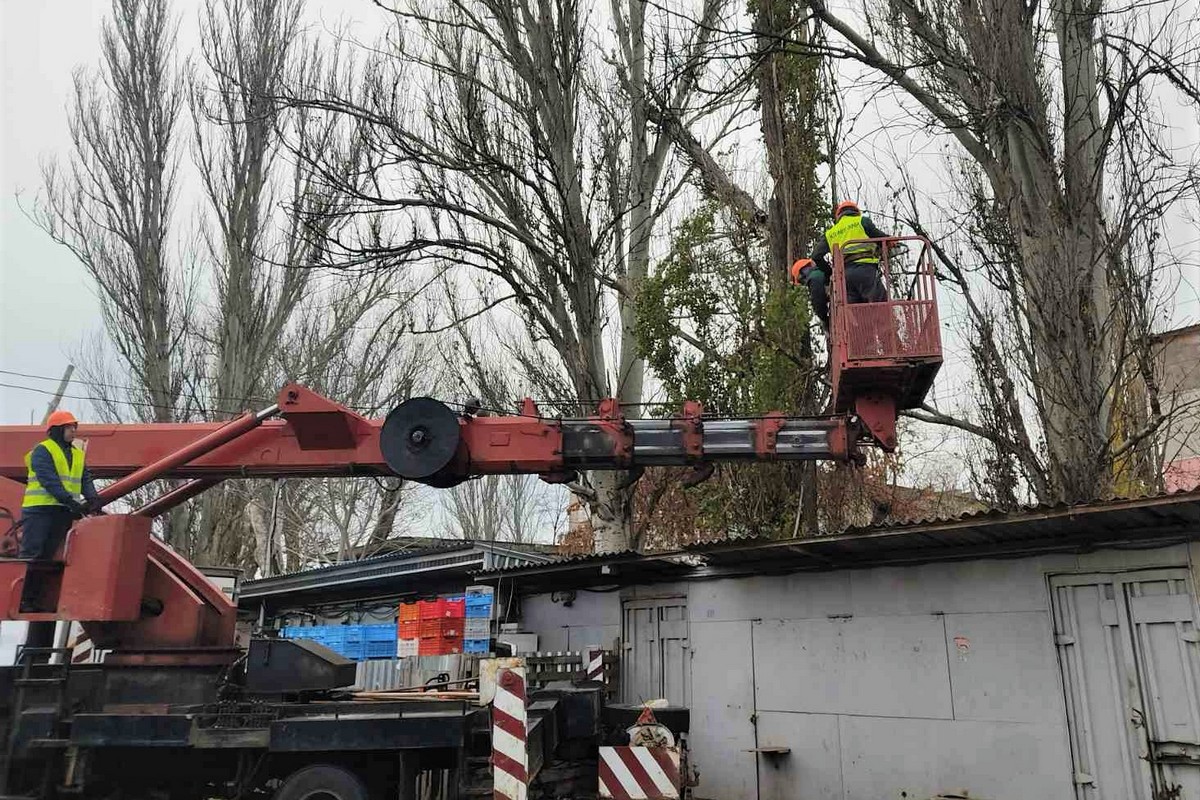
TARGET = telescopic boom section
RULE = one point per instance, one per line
(423, 440)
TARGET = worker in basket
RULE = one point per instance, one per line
(58, 489)
(863, 281)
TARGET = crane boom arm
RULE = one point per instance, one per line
(423, 440)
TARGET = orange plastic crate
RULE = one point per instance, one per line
(409, 611)
(408, 629)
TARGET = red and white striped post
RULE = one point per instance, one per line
(639, 773)
(510, 757)
(595, 664)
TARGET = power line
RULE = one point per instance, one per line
(122, 387)
(135, 403)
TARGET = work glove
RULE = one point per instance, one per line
(78, 510)
(95, 505)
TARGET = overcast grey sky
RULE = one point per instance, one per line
(46, 305)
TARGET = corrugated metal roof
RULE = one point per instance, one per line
(461, 555)
(1058, 527)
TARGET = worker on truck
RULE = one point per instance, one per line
(58, 489)
(863, 281)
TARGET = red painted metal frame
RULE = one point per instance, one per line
(316, 438)
(691, 426)
(884, 356)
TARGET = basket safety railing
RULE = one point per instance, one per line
(906, 325)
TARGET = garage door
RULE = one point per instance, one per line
(1128, 650)
(656, 661)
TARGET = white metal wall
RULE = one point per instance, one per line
(889, 683)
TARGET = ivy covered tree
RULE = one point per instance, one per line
(718, 321)
(715, 326)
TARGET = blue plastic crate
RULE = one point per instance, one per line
(380, 633)
(352, 634)
(477, 645)
(381, 649)
(316, 634)
(479, 605)
(331, 635)
(351, 651)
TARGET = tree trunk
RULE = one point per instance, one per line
(787, 89)
(611, 512)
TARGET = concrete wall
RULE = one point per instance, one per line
(882, 683)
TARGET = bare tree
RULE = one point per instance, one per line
(112, 206)
(212, 340)
(497, 149)
(1051, 105)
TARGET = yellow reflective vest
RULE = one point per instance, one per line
(847, 229)
(71, 476)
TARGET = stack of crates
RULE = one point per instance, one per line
(477, 630)
(408, 630)
(357, 642)
(441, 626)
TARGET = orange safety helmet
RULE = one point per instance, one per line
(61, 418)
(845, 205)
(798, 269)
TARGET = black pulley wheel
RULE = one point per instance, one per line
(419, 438)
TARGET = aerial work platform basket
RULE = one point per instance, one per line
(884, 356)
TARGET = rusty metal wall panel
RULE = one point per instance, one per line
(723, 706)
(1003, 667)
(921, 758)
(812, 769)
(887, 666)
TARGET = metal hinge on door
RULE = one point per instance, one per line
(1190, 636)
(1082, 778)
(1063, 639)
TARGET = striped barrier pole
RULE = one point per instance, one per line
(595, 664)
(510, 757)
(639, 773)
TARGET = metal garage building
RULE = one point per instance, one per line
(1051, 653)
